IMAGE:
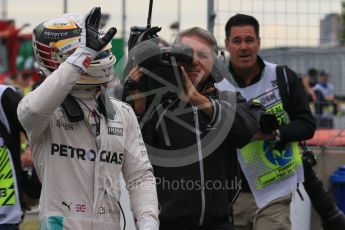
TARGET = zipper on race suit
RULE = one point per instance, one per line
(96, 170)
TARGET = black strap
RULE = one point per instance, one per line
(105, 106)
(72, 109)
(8, 141)
(299, 192)
(284, 90)
(283, 85)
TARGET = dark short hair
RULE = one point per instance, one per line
(312, 72)
(324, 73)
(241, 20)
(26, 76)
(199, 32)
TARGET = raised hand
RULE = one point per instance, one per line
(91, 26)
(90, 40)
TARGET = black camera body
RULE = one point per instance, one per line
(135, 33)
(149, 55)
(163, 69)
(160, 64)
(181, 53)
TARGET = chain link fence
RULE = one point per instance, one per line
(286, 23)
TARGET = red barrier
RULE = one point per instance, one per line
(328, 137)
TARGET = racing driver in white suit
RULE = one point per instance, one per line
(81, 138)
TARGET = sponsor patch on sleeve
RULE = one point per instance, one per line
(115, 131)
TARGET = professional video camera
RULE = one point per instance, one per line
(161, 64)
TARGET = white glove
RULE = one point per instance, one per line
(90, 43)
(146, 224)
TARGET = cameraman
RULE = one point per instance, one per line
(187, 191)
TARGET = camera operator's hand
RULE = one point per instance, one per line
(132, 86)
(135, 74)
(191, 95)
(269, 125)
(90, 41)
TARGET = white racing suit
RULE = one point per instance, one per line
(80, 173)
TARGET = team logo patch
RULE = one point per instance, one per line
(115, 131)
(65, 125)
(103, 210)
(277, 157)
